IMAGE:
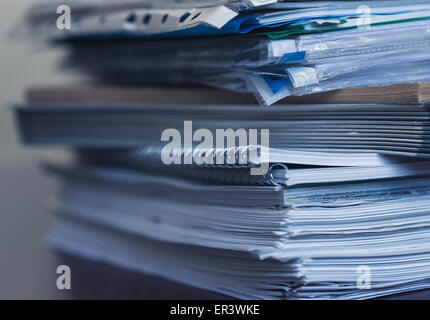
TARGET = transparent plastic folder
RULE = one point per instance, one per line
(251, 52)
(148, 44)
(143, 18)
(271, 69)
(216, 17)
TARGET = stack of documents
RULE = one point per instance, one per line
(310, 239)
(320, 196)
(360, 133)
(273, 49)
(342, 212)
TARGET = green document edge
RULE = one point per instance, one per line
(304, 28)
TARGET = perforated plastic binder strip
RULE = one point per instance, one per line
(139, 17)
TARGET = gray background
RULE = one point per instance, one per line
(27, 268)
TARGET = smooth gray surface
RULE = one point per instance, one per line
(27, 268)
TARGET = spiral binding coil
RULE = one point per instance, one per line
(238, 176)
(149, 158)
(235, 157)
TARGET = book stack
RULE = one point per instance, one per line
(179, 173)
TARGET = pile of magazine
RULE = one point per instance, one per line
(322, 196)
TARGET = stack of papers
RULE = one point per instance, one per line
(341, 213)
(273, 49)
(295, 236)
(318, 132)
(324, 198)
